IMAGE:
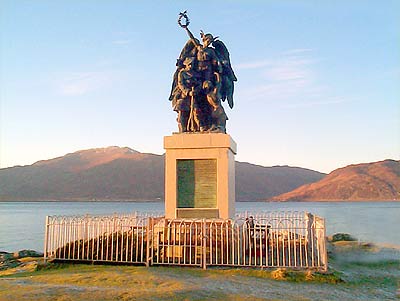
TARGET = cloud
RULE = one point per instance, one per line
(298, 51)
(290, 70)
(283, 91)
(316, 103)
(287, 80)
(292, 57)
(81, 83)
(121, 42)
(253, 65)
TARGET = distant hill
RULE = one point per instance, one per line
(116, 173)
(257, 183)
(378, 181)
(103, 173)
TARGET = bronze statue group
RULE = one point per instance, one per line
(202, 81)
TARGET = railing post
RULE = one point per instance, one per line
(322, 249)
(149, 232)
(309, 239)
(325, 249)
(46, 238)
(204, 263)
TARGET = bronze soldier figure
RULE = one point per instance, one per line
(204, 77)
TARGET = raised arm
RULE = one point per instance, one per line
(185, 26)
(192, 38)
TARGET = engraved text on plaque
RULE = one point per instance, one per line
(197, 183)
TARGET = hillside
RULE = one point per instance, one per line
(378, 181)
(116, 173)
(104, 173)
(254, 182)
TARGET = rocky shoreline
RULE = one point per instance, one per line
(19, 259)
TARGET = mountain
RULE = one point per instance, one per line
(256, 183)
(116, 173)
(378, 181)
(103, 173)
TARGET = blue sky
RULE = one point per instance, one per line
(318, 81)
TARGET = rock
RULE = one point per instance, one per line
(18, 259)
(27, 253)
(7, 261)
(309, 275)
(279, 274)
(342, 237)
(4, 256)
(9, 264)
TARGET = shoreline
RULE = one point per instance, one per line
(366, 221)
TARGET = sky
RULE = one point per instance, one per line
(318, 81)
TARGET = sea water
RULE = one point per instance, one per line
(22, 224)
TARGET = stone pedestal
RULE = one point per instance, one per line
(199, 175)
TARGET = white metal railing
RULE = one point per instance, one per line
(116, 238)
(263, 239)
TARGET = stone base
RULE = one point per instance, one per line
(196, 213)
(199, 175)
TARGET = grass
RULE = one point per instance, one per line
(84, 282)
(350, 278)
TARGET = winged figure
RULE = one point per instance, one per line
(203, 79)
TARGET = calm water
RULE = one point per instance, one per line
(22, 223)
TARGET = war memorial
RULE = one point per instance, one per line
(200, 226)
(200, 164)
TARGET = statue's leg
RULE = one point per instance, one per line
(197, 119)
(204, 120)
(184, 120)
(219, 119)
(179, 120)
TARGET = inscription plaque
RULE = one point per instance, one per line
(197, 183)
(197, 213)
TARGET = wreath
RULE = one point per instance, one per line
(184, 16)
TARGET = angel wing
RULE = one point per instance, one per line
(228, 76)
(189, 50)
